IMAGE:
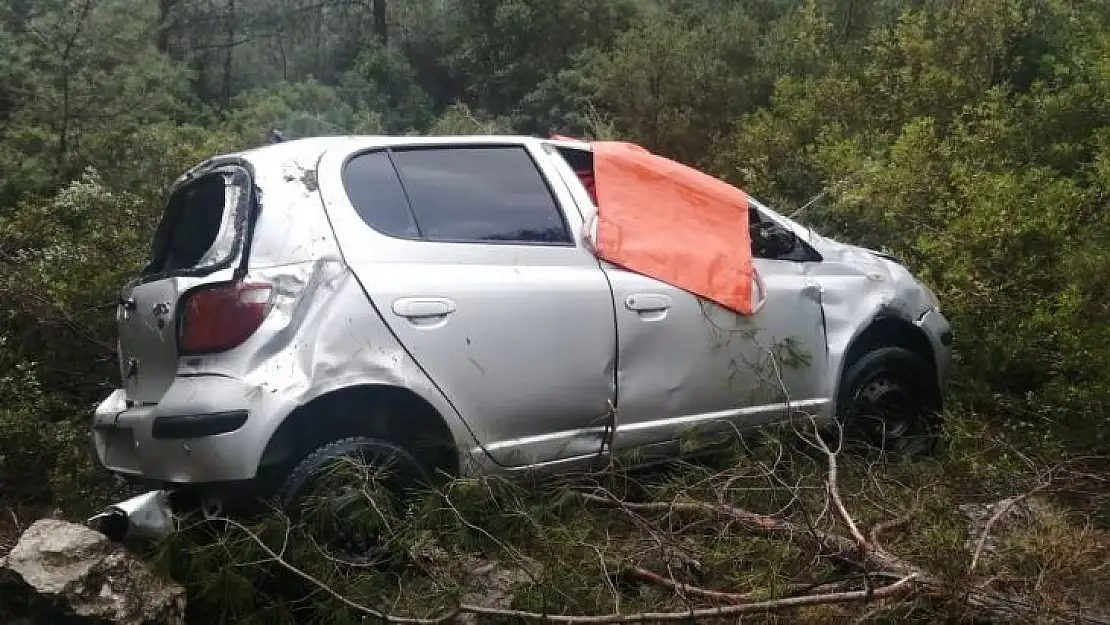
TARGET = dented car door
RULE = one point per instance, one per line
(467, 255)
(689, 367)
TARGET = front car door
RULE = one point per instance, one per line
(467, 255)
(789, 337)
(688, 367)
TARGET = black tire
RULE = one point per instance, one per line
(327, 490)
(889, 400)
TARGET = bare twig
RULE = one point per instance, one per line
(833, 486)
(758, 523)
(774, 605)
(998, 514)
(879, 529)
(609, 579)
(350, 603)
(643, 574)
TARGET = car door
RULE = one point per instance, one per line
(675, 357)
(688, 367)
(465, 252)
(691, 370)
(789, 342)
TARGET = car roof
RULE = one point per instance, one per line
(317, 145)
(306, 151)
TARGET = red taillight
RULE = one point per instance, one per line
(218, 318)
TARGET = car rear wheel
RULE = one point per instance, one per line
(349, 494)
(889, 401)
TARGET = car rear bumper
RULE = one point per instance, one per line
(204, 429)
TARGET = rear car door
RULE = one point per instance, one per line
(468, 257)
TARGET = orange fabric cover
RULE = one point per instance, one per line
(671, 222)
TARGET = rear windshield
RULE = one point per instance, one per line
(191, 224)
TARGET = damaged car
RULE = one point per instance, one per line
(456, 306)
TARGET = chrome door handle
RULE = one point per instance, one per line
(421, 307)
(647, 302)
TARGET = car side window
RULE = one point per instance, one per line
(582, 163)
(773, 242)
(375, 192)
(480, 194)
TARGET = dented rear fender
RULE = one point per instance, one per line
(321, 336)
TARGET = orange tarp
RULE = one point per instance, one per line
(663, 219)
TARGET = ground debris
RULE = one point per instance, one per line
(61, 572)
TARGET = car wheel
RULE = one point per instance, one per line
(889, 400)
(349, 492)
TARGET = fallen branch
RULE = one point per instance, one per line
(880, 529)
(794, 590)
(828, 542)
(1002, 511)
(651, 577)
(773, 605)
(832, 484)
(879, 562)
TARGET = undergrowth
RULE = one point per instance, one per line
(543, 547)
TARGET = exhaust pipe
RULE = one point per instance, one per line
(146, 516)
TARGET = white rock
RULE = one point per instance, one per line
(63, 570)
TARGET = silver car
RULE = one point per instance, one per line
(433, 301)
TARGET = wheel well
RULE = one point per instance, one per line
(389, 413)
(889, 332)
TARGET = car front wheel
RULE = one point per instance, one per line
(889, 400)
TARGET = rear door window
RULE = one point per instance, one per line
(480, 194)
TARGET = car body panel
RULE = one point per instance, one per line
(859, 287)
(690, 367)
(520, 337)
(147, 311)
(295, 357)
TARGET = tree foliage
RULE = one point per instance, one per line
(971, 137)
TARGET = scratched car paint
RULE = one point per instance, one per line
(516, 356)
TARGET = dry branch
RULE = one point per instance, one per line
(833, 486)
(651, 577)
(1003, 510)
(880, 529)
(827, 542)
(881, 562)
(774, 605)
